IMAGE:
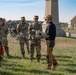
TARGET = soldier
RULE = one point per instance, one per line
(35, 42)
(1, 41)
(5, 29)
(23, 35)
(13, 29)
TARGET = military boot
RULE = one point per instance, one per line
(8, 55)
(23, 55)
(0, 64)
(38, 59)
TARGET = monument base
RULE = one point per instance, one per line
(59, 31)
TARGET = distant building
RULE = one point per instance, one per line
(73, 22)
(64, 25)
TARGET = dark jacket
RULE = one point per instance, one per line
(51, 31)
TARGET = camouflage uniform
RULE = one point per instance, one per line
(0, 45)
(23, 37)
(13, 28)
(5, 41)
(35, 42)
(1, 40)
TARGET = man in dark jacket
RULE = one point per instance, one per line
(50, 42)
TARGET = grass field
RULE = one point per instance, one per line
(64, 51)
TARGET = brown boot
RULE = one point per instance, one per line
(55, 64)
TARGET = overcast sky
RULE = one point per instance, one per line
(14, 9)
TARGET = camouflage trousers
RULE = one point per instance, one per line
(50, 57)
(6, 47)
(22, 42)
(35, 44)
(0, 52)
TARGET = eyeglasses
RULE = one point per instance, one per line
(36, 18)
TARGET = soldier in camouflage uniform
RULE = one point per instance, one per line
(5, 29)
(35, 42)
(1, 40)
(23, 35)
(13, 28)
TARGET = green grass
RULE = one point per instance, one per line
(72, 31)
(64, 51)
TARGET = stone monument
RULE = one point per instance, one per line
(52, 9)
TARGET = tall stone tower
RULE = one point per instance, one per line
(51, 8)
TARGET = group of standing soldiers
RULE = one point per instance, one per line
(26, 32)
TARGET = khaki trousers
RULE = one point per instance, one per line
(50, 57)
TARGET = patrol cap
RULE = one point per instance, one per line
(3, 20)
(23, 17)
(48, 17)
(36, 17)
(0, 19)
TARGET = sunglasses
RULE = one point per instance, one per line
(36, 18)
(46, 19)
